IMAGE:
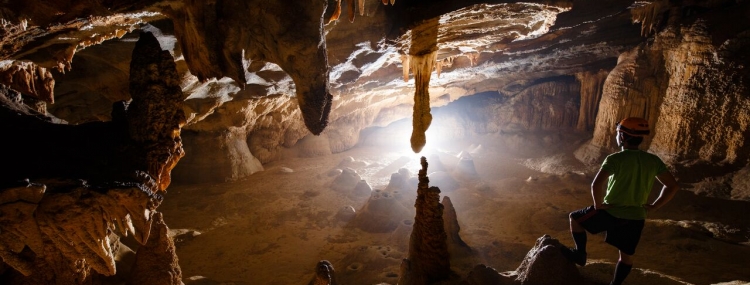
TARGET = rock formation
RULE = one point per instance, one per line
(239, 82)
(346, 181)
(156, 261)
(456, 245)
(428, 261)
(75, 185)
(324, 274)
(544, 264)
(381, 213)
(30, 79)
(213, 51)
(422, 54)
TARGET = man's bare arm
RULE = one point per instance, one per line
(668, 191)
(598, 190)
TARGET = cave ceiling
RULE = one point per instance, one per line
(249, 70)
(226, 56)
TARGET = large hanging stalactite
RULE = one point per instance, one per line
(422, 53)
(298, 46)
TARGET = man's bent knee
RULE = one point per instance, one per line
(626, 258)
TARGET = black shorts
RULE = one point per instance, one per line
(623, 234)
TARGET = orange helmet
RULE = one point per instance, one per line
(637, 127)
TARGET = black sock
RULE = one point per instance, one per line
(621, 271)
(580, 239)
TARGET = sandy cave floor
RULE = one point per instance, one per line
(273, 227)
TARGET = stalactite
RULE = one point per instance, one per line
(473, 57)
(393, 2)
(649, 16)
(438, 67)
(336, 12)
(385, 2)
(423, 51)
(30, 79)
(350, 4)
(421, 120)
(361, 7)
(405, 65)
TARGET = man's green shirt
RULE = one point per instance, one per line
(632, 174)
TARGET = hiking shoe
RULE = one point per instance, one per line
(574, 255)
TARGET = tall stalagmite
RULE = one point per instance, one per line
(74, 186)
(428, 261)
(155, 88)
(156, 261)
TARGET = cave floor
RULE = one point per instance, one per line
(274, 226)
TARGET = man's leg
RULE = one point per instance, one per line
(579, 235)
(622, 269)
(577, 255)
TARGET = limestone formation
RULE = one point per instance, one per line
(213, 51)
(249, 79)
(156, 261)
(456, 245)
(428, 261)
(345, 214)
(362, 189)
(324, 274)
(466, 166)
(156, 93)
(346, 181)
(382, 213)
(591, 93)
(543, 264)
(689, 87)
(422, 54)
(67, 226)
(28, 78)
(81, 183)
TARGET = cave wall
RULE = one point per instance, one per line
(689, 82)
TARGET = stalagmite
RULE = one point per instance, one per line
(91, 179)
(156, 261)
(428, 261)
(154, 86)
(455, 243)
(324, 274)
